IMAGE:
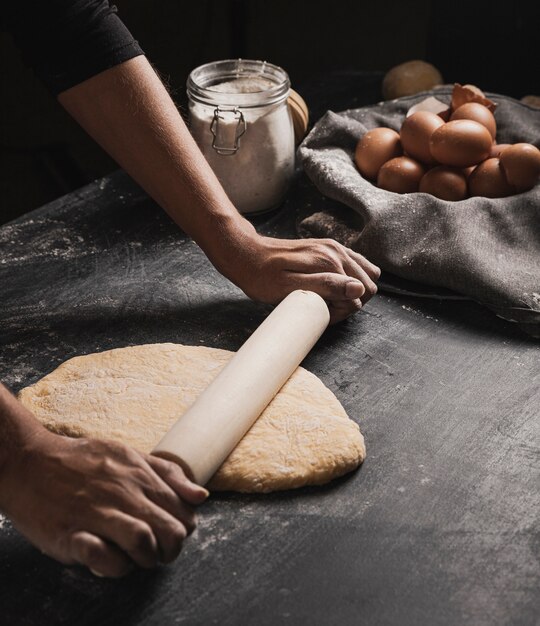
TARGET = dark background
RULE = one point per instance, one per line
(43, 154)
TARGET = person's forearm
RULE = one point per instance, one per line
(128, 111)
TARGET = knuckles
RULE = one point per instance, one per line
(179, 534)
(141, 538)
(91, 554)
(334, 245)
(190, 523)
(330, 282)
(327, 257)
(173, 470)
(175, 540)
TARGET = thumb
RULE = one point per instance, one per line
(330, 285)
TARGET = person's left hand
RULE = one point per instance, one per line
(268, 269)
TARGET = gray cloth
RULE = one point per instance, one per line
(486, 249)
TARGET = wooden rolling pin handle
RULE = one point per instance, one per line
(212, 427)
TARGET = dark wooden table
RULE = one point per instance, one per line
(439, 526)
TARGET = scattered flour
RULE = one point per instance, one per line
(411, 310)
(52, 239)
(210, 531)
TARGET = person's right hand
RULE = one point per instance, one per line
(268, 269)
(98, 503)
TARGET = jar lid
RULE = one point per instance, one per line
(299, 113)
(208, 83)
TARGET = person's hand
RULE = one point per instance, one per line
(98, 503)
(268, 269)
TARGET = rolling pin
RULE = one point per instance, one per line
(214, 424)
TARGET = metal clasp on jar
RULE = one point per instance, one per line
(225, 141)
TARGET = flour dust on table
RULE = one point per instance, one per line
(134, 395)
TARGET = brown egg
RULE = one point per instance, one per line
(374, 149)
(445, 182)
(497, 148)
(461, 143)
(488, 180)
(401, 175)
(468, 170)
(415, 134)
(477, 112)
(521, 164)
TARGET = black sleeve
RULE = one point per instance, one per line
(68, 41)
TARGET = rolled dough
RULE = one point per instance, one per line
(134, 395)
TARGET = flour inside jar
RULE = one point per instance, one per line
(247, 84)
(251, 146)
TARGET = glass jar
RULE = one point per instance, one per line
(239, 117)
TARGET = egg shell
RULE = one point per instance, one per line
(374, 149)
(461, 143)
(488, 180)
(446, 183)
(477, 112)
(416, 132)
(432, 105)
(470, 93)
(521, 165)
(401, 175)
(475, 90)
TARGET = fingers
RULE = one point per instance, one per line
(169, 531)
(372, 270)
(324, 258)
(353, 269)
(153, 536)
(152, 526)
(174, 476)
(358, 266)
(145, 530)
(133, 536)
(341, 309)
(170, 519)
(102, 558)
(328, 285)
(148, 533)
(170, 505)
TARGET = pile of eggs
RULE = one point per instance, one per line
(448, 152)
